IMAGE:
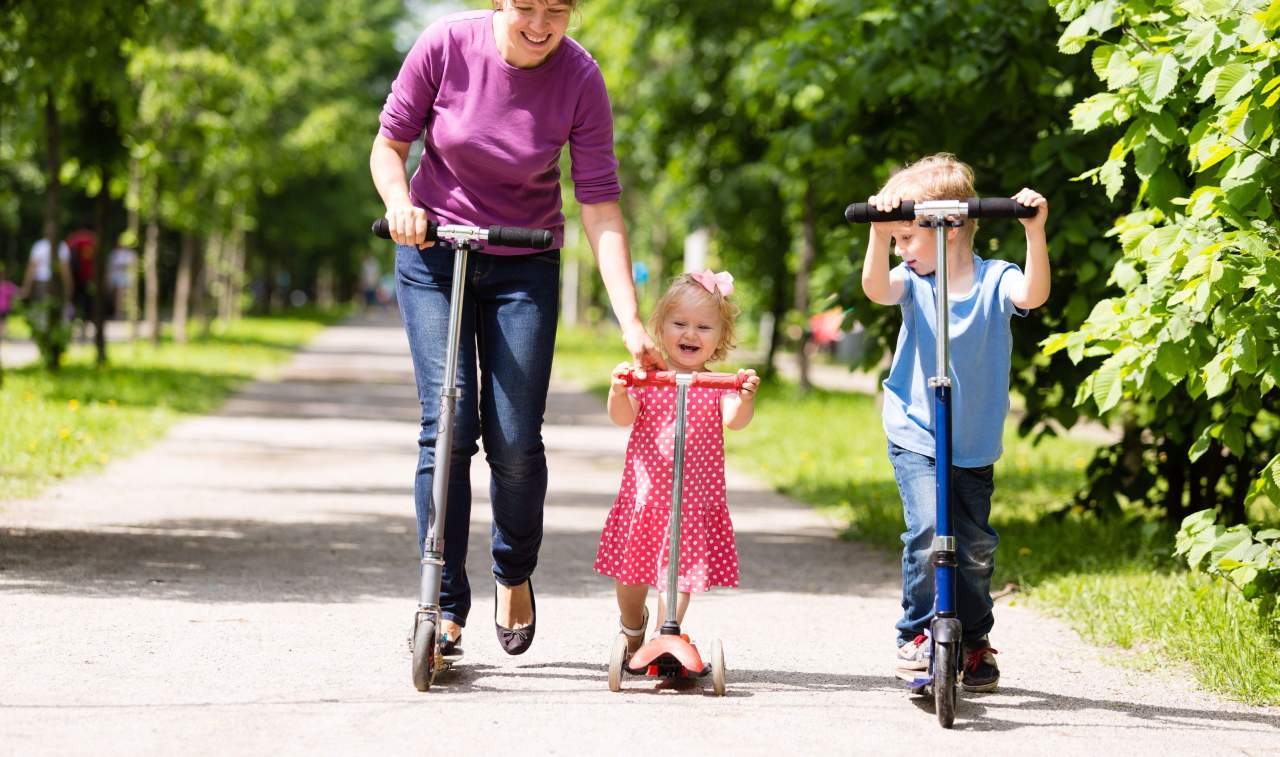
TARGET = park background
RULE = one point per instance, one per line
(227, 142)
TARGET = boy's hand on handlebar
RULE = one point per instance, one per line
(408, 225)
(885, 204)
(1034, 199)
(749, 384)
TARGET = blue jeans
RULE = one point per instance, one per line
(509, 318)
(976, 543)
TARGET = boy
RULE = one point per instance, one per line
(983, 295)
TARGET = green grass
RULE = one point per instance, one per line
(1115, 581)
(77, 419)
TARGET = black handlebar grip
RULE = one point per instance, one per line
(861, 212)
(382, 230)
(515, 236)
(999, 207)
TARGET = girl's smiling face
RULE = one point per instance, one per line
(530, 30)
(691, 333)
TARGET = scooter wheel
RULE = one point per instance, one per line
(424, 654)
(717, 667)
(944, 682)
(617, 658)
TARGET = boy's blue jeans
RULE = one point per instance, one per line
(975, 543)
(509, 329)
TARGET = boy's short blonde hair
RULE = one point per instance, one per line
(685, 288)
(937, 177)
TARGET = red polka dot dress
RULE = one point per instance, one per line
(633, 547)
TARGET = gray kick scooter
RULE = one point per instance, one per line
(427, 660)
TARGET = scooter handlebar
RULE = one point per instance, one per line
(862, 212)
(706, 379)
(977, 207)
(382, 230)
(505, 236)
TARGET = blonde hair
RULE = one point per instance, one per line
(937, 177)
(685, 288)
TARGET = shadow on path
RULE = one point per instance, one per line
(349, 556)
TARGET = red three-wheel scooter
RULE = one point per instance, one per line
(670, 655)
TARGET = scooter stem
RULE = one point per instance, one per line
(433, 545)
(671, 625)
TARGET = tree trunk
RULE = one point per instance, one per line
(130, 300)
(1174, 471)
(182, 287)
(207, 279)
(808, 253)
(52, 211)
(233, 281)
(777, 306)
(101, 258)
(151, 271)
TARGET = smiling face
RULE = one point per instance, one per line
(528, 31)
(691, 332)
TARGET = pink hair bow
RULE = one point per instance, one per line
(713, 282)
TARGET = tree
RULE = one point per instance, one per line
(1189, 346)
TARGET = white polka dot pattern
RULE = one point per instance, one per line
(633, 547)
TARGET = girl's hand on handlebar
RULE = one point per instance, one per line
(749, 384)
(618, 385)
(1034, 199)
(408, 225)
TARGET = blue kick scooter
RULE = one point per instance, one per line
(427, 659)
(943, 674)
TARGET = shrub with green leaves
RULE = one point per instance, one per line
(1188, 351)
(1248, 561)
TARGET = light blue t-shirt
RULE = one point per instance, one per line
(980, 348)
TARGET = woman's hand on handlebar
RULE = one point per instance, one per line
(408, 225)
(1034, 199)
(643, 352)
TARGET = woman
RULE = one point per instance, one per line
(496, 95)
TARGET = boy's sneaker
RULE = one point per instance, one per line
(980, 673)
(914, 655)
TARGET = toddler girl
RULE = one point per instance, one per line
(694, 323)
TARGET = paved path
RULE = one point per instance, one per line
(246, 586)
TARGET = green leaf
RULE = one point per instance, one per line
(1165, 128)
(1228, 541)
(1234, 80)
(1107, 385)
(1216, 376)
(1112, 177)
(1158, 76)
(1202, 545)
(1200, 41)
(1202, 443)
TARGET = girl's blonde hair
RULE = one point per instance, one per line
(685, 288)
(937, 177)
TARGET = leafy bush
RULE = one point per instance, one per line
(1190, 347)
(1248, 561)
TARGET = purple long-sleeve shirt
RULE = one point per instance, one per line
(494, 133)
